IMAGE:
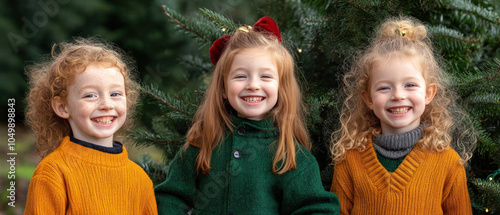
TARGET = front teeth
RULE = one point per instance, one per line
(252, 99)
(103, 120)
(399, 110)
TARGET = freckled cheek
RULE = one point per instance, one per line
(419, 95)
(121, 106)
(234, 90)
(84, 111)
(379, 100)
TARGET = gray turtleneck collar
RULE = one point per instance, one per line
(399, 145)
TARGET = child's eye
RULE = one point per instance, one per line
(116, 94)
(89, 96)
(383, 88)
(267, 76)
(411, 85)
(240, 76)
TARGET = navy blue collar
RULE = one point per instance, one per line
(116, 149)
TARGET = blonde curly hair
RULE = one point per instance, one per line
(447, 124)
(52, 77)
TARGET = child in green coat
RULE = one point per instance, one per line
(248, 151)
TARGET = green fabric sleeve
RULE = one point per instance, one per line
(177, 193)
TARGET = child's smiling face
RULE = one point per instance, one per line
(96, 104)
(252, 83)
(398, 94)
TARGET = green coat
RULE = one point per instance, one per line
(241, 180)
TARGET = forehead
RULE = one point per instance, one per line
(253, 57)
(398, 67)
(384, 58)
(98, 74)
(258, 52)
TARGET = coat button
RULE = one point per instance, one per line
(236, 154)
(241, 131)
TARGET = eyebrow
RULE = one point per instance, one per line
(404, 79)
(95, 86)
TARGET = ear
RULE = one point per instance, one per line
(430, 93)
(59, 107)
(368, 100)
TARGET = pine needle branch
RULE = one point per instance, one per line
(485, 98)
(172, 15)
(486, 79)
(219, 19)
(359, 7)
(153, 139)
(486, 145)
(490, 193)
(156, 171)
(450, 33)
(470, 8)
(163, 101)
(145, 138)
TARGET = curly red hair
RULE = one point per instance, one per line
(52, 77)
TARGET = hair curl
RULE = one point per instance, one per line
(447, 124)
(53, 76)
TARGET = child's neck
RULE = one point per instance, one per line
(105, 142)
(388, 130)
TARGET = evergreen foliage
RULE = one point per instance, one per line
(487, 195)
(323, 36)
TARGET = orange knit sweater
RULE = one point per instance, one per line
(426, 182)
(75, 179)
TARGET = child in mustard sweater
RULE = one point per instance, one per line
(76, 103)
(395, 153)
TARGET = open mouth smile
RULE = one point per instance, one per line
(104, 119)
(253, 99)
(399, 110)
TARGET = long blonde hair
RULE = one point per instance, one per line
(212, 119)
(444, 119)
(52, 78)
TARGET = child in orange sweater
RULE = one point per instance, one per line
(393, 153)
(76, 104)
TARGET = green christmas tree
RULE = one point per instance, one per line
(323, 36)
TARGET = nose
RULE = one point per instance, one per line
(105, 103)
(398, 94)
(253, 84)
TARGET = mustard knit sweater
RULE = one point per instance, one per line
(426, 182)
(75, 179)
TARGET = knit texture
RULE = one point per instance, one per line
(241, 180)
(399, 145)
(75, 179)
(426, 182)
(392, 149)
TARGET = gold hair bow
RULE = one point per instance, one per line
(245, 28)
(404, 32)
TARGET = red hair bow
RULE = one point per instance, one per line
(263, 25)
